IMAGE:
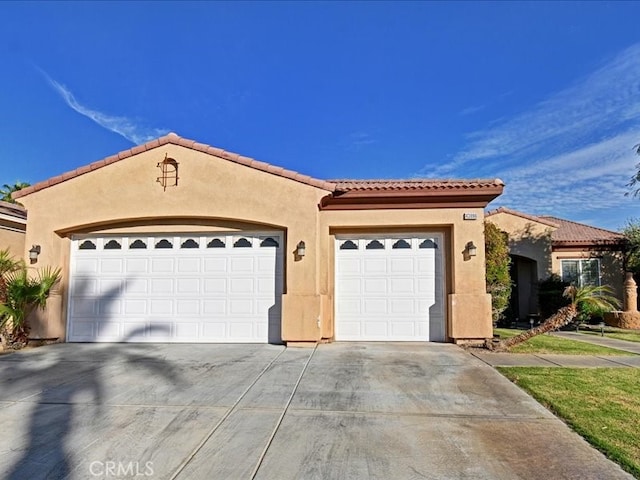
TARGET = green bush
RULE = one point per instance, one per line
(497, 269)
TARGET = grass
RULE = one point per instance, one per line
(551, 344)
(601, 404)
(628, 335)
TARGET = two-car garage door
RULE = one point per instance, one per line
(176, 288)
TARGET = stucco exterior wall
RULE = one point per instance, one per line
(611, 271)
(528, 239)
(13, 241)
(214, 194)
(211, 193)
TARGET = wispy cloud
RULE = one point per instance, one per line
(357, 140)
(471, 110)
(571, 153)
(124, 126)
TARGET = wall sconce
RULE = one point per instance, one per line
(33, 253)
(471, 249)
(301, 249)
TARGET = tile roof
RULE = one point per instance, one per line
(175, 139)
(337, 186)
(567, 232)
(526, 216)
(573, 232)
(414, 184)
(13, 210)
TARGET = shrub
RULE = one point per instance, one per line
(497, 269)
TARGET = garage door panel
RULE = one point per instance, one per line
(189, 265)
(215, 265)
(133, 286)
(188, 307)
(375, 266)
(86, 266)
(136, 265)
(135, 307)
(161, 307)
(82, 307)
(162, 265)
(214, 307)
(393, 293)
(188, 286)
(111, 265)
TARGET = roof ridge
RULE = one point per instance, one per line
(175, 139)
(527, 216)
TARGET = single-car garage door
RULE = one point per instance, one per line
(389, 288)
(176, 288)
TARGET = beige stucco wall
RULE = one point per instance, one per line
(528, 239)
(13, 241)
(216, 194)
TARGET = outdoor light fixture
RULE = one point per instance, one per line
(33, 253)
(472, 250)
(301, 249)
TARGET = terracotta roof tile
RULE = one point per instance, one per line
(574, 232)
(13, 209)
(414, 184)
(526, 216)
(568, 232)
(330, 185)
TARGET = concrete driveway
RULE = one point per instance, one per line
(341, 411)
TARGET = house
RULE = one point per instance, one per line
(544, 245)
(177, 241)
(13, 222)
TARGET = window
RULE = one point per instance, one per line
(581, 273)
(348, 245)
(164, 243)
(428, 243)
(87, 245)
(269, 242)
(215, 243)
(189, 243)
(137, 244)
(242, 243)
(374, 245)
(112, 245)
(401, 244)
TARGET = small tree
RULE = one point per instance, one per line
(580, 298)
(21, 294)
(497, 269)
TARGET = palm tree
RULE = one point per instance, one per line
(7, 190)
(23, 294)
(592, 297)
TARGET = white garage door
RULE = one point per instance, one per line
(389, 288)
(176, 288)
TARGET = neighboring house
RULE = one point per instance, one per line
(13, 222)
(545, 245)
(176, 241)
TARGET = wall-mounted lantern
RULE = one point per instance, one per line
(471, 249)
(33, 253)
(301, 249)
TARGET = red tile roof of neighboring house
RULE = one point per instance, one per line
(526, 216)
(569, 232)
(13, 210)
(338, 186)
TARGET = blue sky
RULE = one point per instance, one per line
(545, 96)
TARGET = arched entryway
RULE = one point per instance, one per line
(524, 293)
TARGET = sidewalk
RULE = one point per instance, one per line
(557, 360)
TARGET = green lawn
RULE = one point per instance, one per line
(551, 344)
(628, 335)
(601, 404)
